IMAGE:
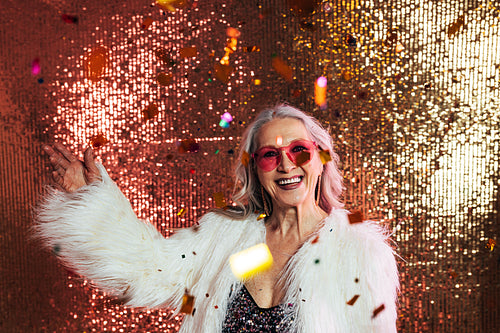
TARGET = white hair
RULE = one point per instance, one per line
(247, 195)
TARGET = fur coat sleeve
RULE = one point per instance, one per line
(95, 233)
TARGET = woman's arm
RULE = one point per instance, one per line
(95, 232)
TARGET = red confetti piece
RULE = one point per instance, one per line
(491, 244)
(315, 240)
(146, 23)
(98, 141)
(233, 33)
(188, 146)
(69, 18)
(164, 79)
(353, 300)
(378, 310)
(187, 304)
(356, 217)
(282, 68)
(188, 52)
(150, 112)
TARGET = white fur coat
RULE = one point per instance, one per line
(95, 232)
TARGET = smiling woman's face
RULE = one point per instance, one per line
(289, 185)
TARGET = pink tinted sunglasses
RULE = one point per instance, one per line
(299, 152)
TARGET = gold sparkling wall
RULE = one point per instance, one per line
(412, 103)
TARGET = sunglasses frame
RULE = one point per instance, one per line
(280, 149)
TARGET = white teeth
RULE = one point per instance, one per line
(289, 181)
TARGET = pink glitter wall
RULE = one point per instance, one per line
(412, 104)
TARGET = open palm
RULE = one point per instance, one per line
(69, 173)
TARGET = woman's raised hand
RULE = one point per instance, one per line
(69, 173)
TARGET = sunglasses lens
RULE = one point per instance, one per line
(299, 152)
(268, 158)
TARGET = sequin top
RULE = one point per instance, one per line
(244, 315)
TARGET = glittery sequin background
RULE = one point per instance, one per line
(413, 106)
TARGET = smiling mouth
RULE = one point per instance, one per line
(289, 181)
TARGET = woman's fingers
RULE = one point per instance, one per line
(65, 152)
(92, 171)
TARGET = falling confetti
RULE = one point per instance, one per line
(69, 18)
(491, 244)
(455, 26)
(320, 92)
(253, 260)
(325, 156)
(35, 66)
(378, 310)
(355, 217)
(245, 158)
(261, 216)
(302, 158)
(188, 146)
(353, 300)
(282, 68)
(188, 52)
(146, 23)
(171, 5)
(187, 304)
(181, 212)
(98, 141)
(150, 112)
(279, 140)
(223, 72)
(96, 62)
(220, 202)
(225, 120)
(164, 79)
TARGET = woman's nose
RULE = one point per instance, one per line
(286, 165)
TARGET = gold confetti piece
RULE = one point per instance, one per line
(188, 52)
(96, 62)
(187, 304)
(233, 33)
(455, 26)
(399, 48)
(355, 217)
(378, 310)
(181, 212)
(245, 158)
(257, 82)
(325, 156)
(302, 158)
(150, 112)
(164, 79)
(251, 261)
(98, 141)
(146, 23)
(171, 5)
(282, 68)
(353, 300)
(220, 202)
(346, 75)
(223, 72)
(261, 216)
(491, 244)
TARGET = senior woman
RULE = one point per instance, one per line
(328, 275)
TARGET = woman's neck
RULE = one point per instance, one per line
(296, 223)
